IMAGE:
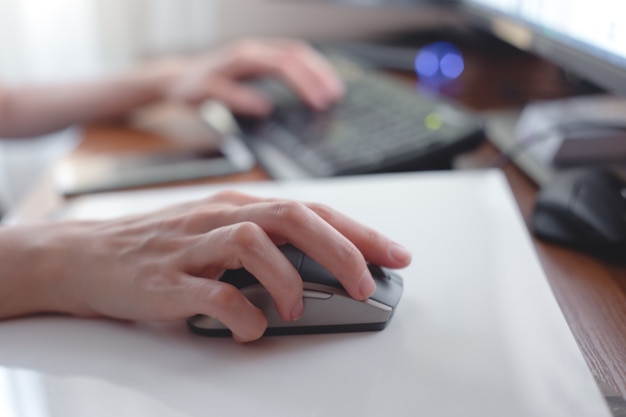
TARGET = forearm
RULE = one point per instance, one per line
(35, 110)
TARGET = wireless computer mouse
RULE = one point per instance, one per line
(327, 306)
(584, 209)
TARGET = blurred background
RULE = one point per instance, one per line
(50, 39)
(56, 40)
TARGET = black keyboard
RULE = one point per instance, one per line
(380, 125)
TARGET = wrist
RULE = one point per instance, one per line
(34, 273)
(161, 77)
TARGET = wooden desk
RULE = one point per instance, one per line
(591, 293)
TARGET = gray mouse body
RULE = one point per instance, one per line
(327, 306)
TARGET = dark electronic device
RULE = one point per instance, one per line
(217, 151)
(327, 306)
(380, 125)
(561, 31)
(584, 209)
(112, 172)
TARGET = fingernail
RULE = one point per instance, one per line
(400, 254)
(297, 311)
(367, 287)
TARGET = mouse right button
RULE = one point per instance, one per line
(313, 272)
(388, 290)
(377, 271)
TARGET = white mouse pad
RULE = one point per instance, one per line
(477, 332)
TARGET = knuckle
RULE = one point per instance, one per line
(292, 212)
(324, 211)
(156, 279)
(225, 196)
(246, 235)
(351, 255)
(244, 47)
(223, 297)
(197, 218)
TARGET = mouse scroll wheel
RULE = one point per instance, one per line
(376, 271)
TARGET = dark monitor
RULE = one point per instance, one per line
(587, 37)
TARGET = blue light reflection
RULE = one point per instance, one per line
(439, 63)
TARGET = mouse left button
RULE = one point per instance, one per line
(293, 254)
(239, 278)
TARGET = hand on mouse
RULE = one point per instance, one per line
(166, 265)
(218, 75)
